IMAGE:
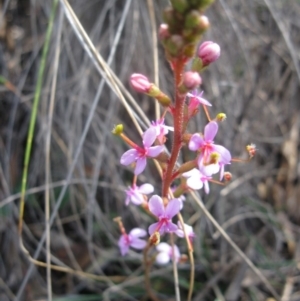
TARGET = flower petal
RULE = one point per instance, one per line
(154, 151)
(149, 137)
(179, 233)
(124, 247)
(146, 188)
(153, 228)
(210, 131)
(195, 142)
(137, 198)
(224, 152)
(156, 206)
(163, 247)
(194, 183)
(140, 165)
(138, 243)
(170, 227)
(206, 187)
(162, 258)
(138, 232)
(129, 157)
(172, 208)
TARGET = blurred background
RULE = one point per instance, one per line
(255, 82)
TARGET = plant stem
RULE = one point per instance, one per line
(178, 67)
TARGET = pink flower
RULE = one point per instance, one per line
(188, 229)
(166, 254)
(140, 83)
(140, 154)
(195, 101)
(135, 193)
(196, 180)
(161, 129)
(164, 214)
(209, 52)
(205, 145)
(132, 240)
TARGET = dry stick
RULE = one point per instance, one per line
(235, 247)
(155, 52)
(47, 154)
(107, 74)
(175, 271)
(191, 256)
(147, 270)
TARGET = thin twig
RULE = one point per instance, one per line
(175, 271)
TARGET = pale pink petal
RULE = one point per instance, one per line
(194, 183)
(210, 131)
(195, 142)
(124, 247)
(176, 253)
(172, 208)
(170, 227)
(179, 233)
(222, 167)
(153, 228)
(149, 137)
(138, 232)
(210, 169)
(162, 258)
(191, 173)
(156, 206)
(129, 157)
(137, 198)
(127, 201)
(204, 101)
(224, 152)
(206, 187)
(163, 247)
(140, 165)
(154, 151)
(146, 188)
(138, 243)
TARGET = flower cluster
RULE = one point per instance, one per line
(184, 26)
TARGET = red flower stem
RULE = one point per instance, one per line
(178, 67)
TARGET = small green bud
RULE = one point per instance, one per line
(180, 5)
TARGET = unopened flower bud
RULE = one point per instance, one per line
(227, 176)
(251, 149)
(118, 129)
(203, 24)
(163, 31)
(155, 238)
(174, 45)
(221, 117)
(209, 52)
(180, 5)
(140, 83)
(190, 81)
(183, 258)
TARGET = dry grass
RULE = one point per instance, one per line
(255, 82)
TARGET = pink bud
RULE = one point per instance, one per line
(140, 83)
(209, 52)
(163, 31)
(191, 80)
